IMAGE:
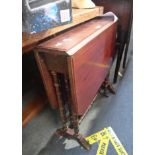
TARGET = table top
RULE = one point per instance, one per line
(29, 41)
(77, 36)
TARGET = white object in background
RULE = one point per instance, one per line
(82, 4)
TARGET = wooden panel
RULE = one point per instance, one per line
(90, 67)
(48, 81)
(79, 16)
(32, 109)
(89, 63)
(70, 39)
(55, 62)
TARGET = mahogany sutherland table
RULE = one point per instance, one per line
(74, 66)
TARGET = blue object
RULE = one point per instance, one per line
(44, 17)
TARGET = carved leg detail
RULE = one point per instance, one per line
(77, 136)
(70, 122)
(83, 142)
(71, 134)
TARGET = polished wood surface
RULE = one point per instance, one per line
(29, 41)
(90, 66)
(123, 9)
(67, 41)
(92, 45)
(28, 44)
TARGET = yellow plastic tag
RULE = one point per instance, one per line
(116, 142)
(103, 137)
(96, 137)
(103, 146)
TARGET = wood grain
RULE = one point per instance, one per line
(47, 80)
(79, 16)
(89, 65)
(32, 109)
(66, 41)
